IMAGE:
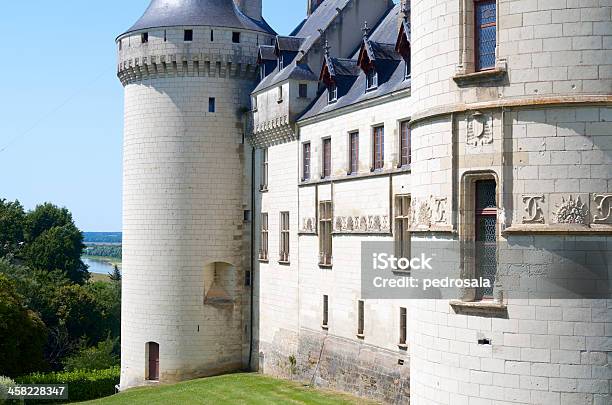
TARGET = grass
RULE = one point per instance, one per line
(232, 389)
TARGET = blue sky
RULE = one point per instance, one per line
(61, 106)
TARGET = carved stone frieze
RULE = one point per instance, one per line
(572, 210)
(533, 207)
(309, 225)
(440, 208)
(602, 208)
(362, 224)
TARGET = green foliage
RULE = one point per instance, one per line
(82, 385)
(5, 384)
(59, 248)
(45, 217)
(78, 312)
(115, 275)
(104, 251)
(12, 218)
(101, 357)
(107, 297)
(22, 333)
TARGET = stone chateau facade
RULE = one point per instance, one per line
(258, 169)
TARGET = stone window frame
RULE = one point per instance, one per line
(400, 143)
(373, 162)
(467, 231)
(326, 219)
(304, 87)
(264, 255)
(403, 328)
(325, 321)
(326, 160)
(402, 235)
(284, 237)
(467, 74)
(352, 160)
(265, 169)
(306, 161)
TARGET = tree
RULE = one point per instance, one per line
(79, 312)
(12, 218)
(115, 275)
(59, 248)
(22, 333)
(45, 217)
(100, 357)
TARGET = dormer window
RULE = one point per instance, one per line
(406, 69)
(262, 71)
(254, 103)
(332, 95)
(371, 80)
(281, 63)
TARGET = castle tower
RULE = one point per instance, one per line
(188, 67)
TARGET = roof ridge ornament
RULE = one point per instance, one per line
(366, 30)
(327, 48)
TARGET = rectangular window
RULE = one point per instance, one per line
(212, 105)
(280, 94)
(254, 103)
(165, 35)
(486, 234)
(188, 37)
(403, 332)
(263, 249)
(248, 278)
(144, 37)
(407, 70)
(264, 170)
(236, 37)
(327, 158)
(405, 147)
(326, 216)
(303, 90)
(281, 62)
(402, 227)
(332, 93)
(120, 44)
(361, 320)
(325, 311)
(212, 35)
(306, 161)
(284, 237)
(379, 148)
(486, 33)
(354, 153)
(371, 79)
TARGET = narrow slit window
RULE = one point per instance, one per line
(403, 332)
(264, 170)
(263, 249)
(165, 35)
(236, 37)
(188, 37)
(212, 105)
(284, 237)
(212, 35)
(486, 33)
(402, 227)
(354, 153)
(405, 147)
(306, 161)
(332, 95)
(379, 148)
(326, 216)
(120, 44)
(486, 234)
(327, 158)
(361, 318)
(325, 311)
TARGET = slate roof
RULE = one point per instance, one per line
(308, 32)
(385, 33)
(292, 44)
(216, 13)
(266, 52)
(342, 67)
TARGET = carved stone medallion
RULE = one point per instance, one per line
(533, 205)
(571, 210)
(602, 208)
(480, 129)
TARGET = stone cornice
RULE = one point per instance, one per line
(508, 103)
(194, 65)
(273, 132)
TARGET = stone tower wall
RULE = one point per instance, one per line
(540, 125)
(184, 201)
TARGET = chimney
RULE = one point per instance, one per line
(312, 5)
(250, 8)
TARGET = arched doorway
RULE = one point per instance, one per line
(152, 366)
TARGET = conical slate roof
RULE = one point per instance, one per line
(217, 13)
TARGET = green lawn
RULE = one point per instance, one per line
(233, 389)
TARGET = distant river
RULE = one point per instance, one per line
(98, 266)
